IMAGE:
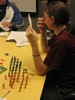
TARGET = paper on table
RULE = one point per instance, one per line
(22, 44)
(30, 20)
(19, 37)
(4, 34)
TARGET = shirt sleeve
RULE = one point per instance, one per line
(18, 21)
(56, 56)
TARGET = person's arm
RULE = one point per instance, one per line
(38, 62)
(41, 68)
(44, 41)
(17, 21)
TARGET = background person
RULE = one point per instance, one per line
(10, 17)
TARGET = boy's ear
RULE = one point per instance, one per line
(52, 18)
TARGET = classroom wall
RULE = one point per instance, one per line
(25, 5)
(41, 7)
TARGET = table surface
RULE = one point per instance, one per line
(35, 82)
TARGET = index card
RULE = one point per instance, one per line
(30, 20)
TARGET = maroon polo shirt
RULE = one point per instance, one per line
(61, 57)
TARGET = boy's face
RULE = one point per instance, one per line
(49, 21)
(2, 2)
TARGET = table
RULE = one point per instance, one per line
(35, 83)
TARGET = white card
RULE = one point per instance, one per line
(30, 20)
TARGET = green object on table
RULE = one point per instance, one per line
(2, 69)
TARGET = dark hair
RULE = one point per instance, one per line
(49, 1)
(60, 12)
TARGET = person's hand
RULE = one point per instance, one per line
(7, 24)
(32, 36)
(40, 24)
